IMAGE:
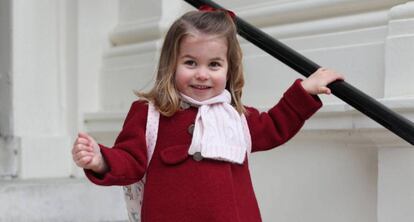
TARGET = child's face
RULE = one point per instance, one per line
(202, 66)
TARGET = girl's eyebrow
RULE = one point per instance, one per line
(217, 59)
(212, 59)
(187, 56)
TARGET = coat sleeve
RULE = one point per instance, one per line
(127, 159)
(275, 127)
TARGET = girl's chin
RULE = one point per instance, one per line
(202, 95)
(201, 98)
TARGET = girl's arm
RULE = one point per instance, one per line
(126, 161)
(278, 125)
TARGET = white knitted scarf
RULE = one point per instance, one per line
(220, 132)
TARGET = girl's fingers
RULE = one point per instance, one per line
(326, 90)
(82, 140)
(82, 154)
(80, 147)
(83, 150)
(328, 77)
(84, 161)
(323, 90)
(318, 81)
(91, 140)
(339, 76)
(83, 135)
(336, 76)
(86, 136)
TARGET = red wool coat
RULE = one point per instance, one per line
(181, 189)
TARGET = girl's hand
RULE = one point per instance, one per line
(317, 82)
(87, 154)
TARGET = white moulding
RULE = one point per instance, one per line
(402, 11)
(339, 122)
(136, 32)
(274, 13)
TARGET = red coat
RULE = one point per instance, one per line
(180, 189)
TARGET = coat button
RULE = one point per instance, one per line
(197, 156)
(191, 129)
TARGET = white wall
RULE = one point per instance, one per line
(94, 21)
(333, 170)
(316, 182)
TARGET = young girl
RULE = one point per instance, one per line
(199, 170)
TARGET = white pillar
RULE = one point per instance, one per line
(43, 77)
(396, 163)
(399, 65)
(396, 184)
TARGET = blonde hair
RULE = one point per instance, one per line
(164, 94)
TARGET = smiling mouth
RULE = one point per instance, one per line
(200, 87)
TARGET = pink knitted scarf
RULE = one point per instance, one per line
(220, 132)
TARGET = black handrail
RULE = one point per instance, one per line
(349, 94)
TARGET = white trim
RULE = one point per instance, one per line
(274, 13)
(338, 121)
(132, 49)
(337, 24)
(403, 11)
(136, 32)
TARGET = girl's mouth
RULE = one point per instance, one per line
(200, 87)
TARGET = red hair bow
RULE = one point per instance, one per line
(207, 8)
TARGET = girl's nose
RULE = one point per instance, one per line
(202, 74)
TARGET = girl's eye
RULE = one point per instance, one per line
(190, 63)
(215, 64)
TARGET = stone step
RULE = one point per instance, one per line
(60, 200)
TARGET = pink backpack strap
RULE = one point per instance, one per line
(151, 131)
(134, 193)
(247, 135)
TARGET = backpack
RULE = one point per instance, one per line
(133, 193)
